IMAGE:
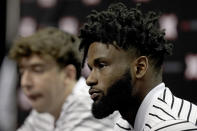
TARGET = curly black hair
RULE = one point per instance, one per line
(128, 29)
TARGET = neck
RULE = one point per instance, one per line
(56, 113)
(139, 92)
(129, 114)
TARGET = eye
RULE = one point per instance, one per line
(101, 65)
(38, 69)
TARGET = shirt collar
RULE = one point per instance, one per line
(146, 105)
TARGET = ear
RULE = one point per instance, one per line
(140, 66)
(70, 72)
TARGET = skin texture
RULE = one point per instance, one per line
(108, 65)
(45, 84)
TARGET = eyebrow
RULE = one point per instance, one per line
(37, 64)
(96, 61)
(32, 65)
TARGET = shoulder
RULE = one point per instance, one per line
(77, 116)
(79, 97)
(175, 125)
(77, 105)
(168, 107)
(81, 89)
(37, 121)
(76, 112)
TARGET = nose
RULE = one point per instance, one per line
(26, 80)
(91, 80)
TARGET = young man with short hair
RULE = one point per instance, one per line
(125, 50)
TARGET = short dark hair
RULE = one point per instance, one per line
(128, 29)
(60, 45)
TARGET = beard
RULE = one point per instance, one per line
(118, 98)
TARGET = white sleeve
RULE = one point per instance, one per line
(37, 122)
(78, 117)
(76, 113)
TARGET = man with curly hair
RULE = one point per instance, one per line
(50, 75)
(125, 50)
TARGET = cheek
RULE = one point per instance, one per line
(43, 81)
(46, 84)
(106, 80)
(110, 76)
(51, 92)
(108, 84)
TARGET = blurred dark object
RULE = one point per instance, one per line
(3, 29)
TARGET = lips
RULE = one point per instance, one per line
(94, 94)
(34, 97)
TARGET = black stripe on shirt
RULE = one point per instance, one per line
(190, 108)
(172, 102)
(171, 125)
(190, 129)
(163, 111)
(164, 95)
(156, 116)
(123, 127)
(180, 108)
(196, 122)
(148, 125)
(161, 100)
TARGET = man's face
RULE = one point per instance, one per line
(42, 82)
(110, 78)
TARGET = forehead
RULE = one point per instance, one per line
(35, 59)
(99, 50)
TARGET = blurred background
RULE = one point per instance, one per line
(24, 17)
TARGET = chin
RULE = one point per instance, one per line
(101, 109)
(39, 109)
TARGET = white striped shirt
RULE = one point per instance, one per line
(75, 116)
(162, 111)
